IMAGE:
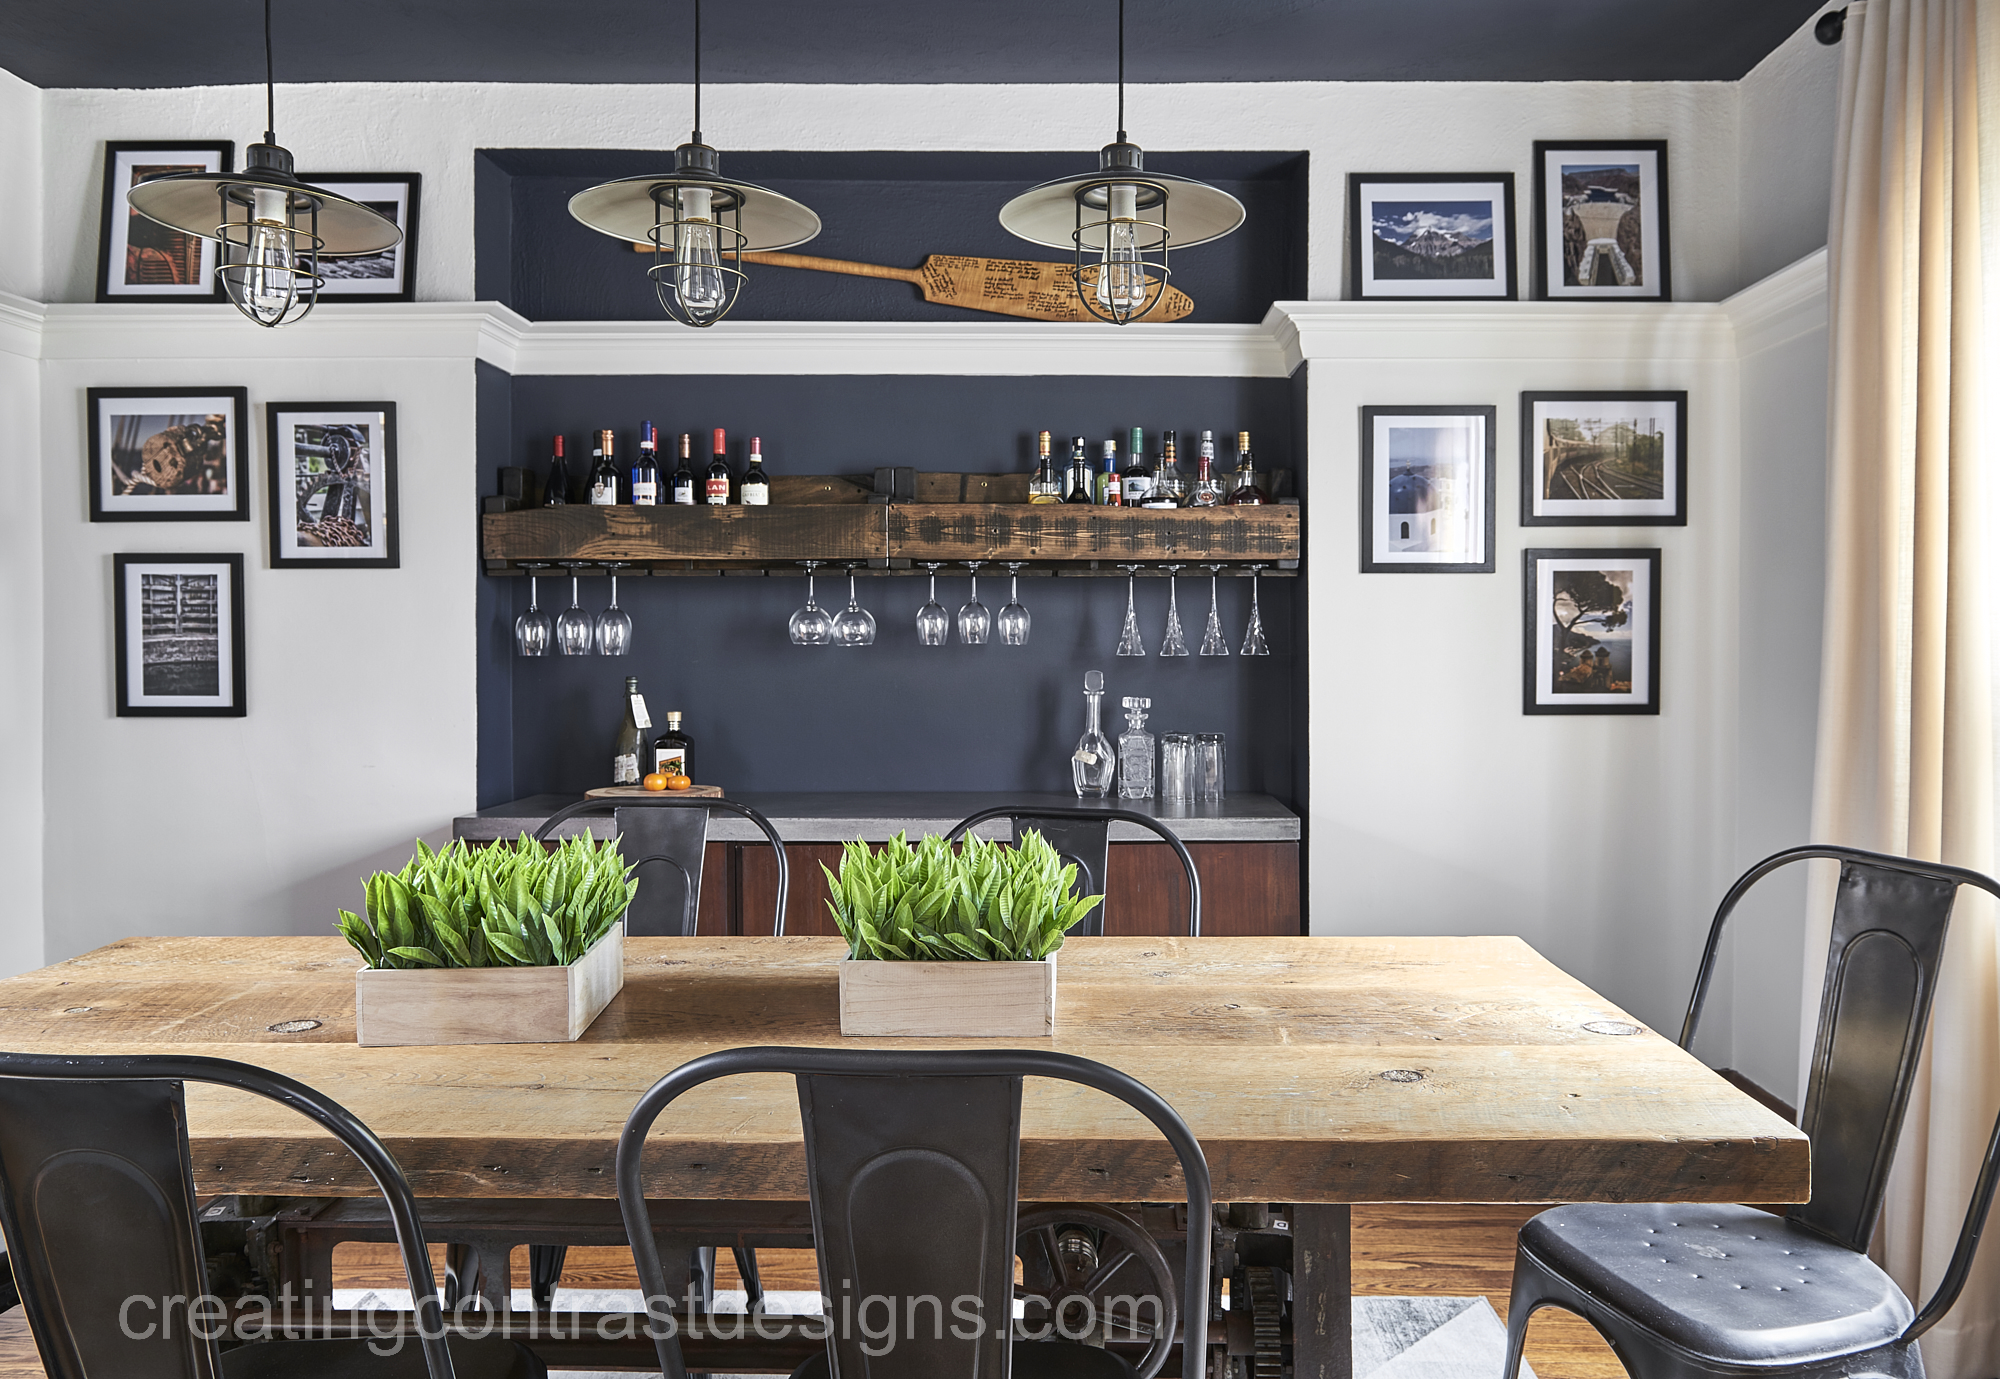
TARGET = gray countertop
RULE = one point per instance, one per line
(835, 818)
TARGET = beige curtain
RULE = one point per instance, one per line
(1906, 732)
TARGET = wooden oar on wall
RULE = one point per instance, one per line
(1006, 287)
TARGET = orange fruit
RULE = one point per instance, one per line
(679, 783)
(656, 781)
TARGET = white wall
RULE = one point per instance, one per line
(1785, 135)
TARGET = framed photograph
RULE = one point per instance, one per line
(390, 276)
(332, 484)
(1591, 637)
(1427, 490)
(179, 633)
(141, 260)
(1431, 236)
(1604, 459)
(1601, 220)
(168, 454)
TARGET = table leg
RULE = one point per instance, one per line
(1322, 1291)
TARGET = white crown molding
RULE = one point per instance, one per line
(21, 326)
(1788, 304)
(1430, 332)
(399, 330)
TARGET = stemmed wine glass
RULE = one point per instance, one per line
(531, 629)
(854, 625)
(574, 628)
(974, 622)
(933, 623)
(1253, 637)
(614, 624)
(1212, 641)
(812, 625)
(1129, 641)
(1014, 618)
(1174, 644)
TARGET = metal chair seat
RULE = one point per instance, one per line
(1032, 1360)
(490, 1357)
(1731, 1286)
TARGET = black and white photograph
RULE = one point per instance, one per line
(332, 481)
(1591, 636)
(179, 633)
(141, 260)
(390, 276)
(1427, 490)
(1604, 459)
(168, 454)
(1601, 220)
(1431, 236)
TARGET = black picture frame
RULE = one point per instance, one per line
(1361, 238)
(233, 704)
(1539, 694)
(112, 245)
(1658, 287)
(339, 288)
(383, 551)
(1636, 512)
(1376, 556)
(107, 506)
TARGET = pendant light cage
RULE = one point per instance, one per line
(269, 268)
(1121, 251)
(697, 284)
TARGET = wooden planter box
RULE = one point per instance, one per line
(949, 1000)
(488, 1005)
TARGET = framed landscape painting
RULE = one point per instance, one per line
(1590, 640)
(1431, 236)
(1427, 490)
(332, 484)
(141, 260)
(168, 454)
(390, 276)
(1601, 220)
(1604, 459)
(178, 621)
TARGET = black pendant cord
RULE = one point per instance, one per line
(1121, 68)
(270, 89)
(697, 70)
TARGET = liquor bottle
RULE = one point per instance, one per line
(603, 473)
(670, 748)
(1091, 764)
(1079, 472)
(555, 493)
(646, 470)
(756, 487)
(1138, 479)
(1207, 491)
(631, 741)
(1109, 491)
(1246, 493)
(1047, 485)
(1169, 485)
(683, 487)
(1135, 752)
(716, 488)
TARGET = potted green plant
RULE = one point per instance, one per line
(952, 943)
(509, 944)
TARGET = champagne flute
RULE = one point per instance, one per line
(974, 622)
(614, 624)
(1212, 641)
(812, 625)
(574, 628)
(1130, 643)
(854, 625)
(1174, 644)
(1014, 618)
(1253, 638)
(531, 629)
(933, 623)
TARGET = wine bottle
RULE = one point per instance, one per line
(1138, 479)
(1109, 492)
(1169, 487)
(684, 485)
(1079, 472)
(718, 482)
(670, 748)
(555, 493)
(603, 473)
(630, 742)
(756, 487)
(1207, 491)
(1047, 485)
(1246, 493)
(646, 469)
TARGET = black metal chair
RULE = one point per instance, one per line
(913, 1166)
(1683, 1290)
(1083, 836)
(97, 1199)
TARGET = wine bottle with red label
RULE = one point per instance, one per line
(719, 477)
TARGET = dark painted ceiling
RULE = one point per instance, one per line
(204, 42)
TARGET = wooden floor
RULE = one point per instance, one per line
(1398, 1250)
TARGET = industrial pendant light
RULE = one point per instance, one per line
(699, 222)
(1116, 220)
(273, 228)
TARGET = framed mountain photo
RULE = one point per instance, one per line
(1431, 236)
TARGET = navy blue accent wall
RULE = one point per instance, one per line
(493, 603)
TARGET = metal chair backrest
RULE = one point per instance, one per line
(913, 1164)
(97, 1198)
(1083, 836)
(1890, 916)
(671, 831)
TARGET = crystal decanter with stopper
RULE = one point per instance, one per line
(1092, 765)
(1135, 752)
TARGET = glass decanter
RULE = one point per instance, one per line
(1135, 752)
(1092, 764)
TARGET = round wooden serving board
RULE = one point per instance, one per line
(626, 792)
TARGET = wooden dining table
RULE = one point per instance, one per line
(1316, 1072)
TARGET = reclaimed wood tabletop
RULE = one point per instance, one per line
(1325, 1070)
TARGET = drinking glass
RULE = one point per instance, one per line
(531, 629)
(1253, 638)
(812, 625)
(1014, 618)
(1176, 768)
(614, 624)
(1174, 643)
(854, 625)
(974, 622)
(1129, 641)
(1207, 767)
(574, 628)
(1212, 642)
(933, 623)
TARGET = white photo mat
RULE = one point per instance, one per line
(180, 408)
(1441, 195)
(291, 461)
(118, 226)
(1452, 529)
(366, 277)
(1637, 631)
(1650, 275)
(1657, 416)
(221, 585)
